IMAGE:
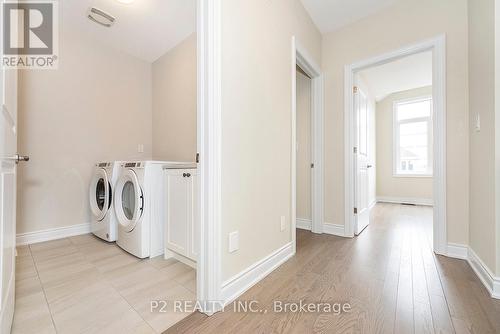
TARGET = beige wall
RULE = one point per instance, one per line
(256, 131)
(174, 103)
(303, 146)
(391, 29)
(482, 144)
(387, 184)
(95, 107)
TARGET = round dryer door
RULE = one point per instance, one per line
(129, 200)
(100, 194)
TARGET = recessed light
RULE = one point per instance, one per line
(125, 1)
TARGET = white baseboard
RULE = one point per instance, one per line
(303, 224)
(238, 284)
(405, 200)
(490, 281)
(167, 254)
(457, 251)
(52, 234)
(464, 252)
(334, 229)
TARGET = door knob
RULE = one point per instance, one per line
(17, 158)
(369, 166)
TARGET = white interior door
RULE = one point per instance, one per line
(9, 158)
(362, 162)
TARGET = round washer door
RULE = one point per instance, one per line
(129, 200)
(100, 194)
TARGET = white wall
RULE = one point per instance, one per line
(482, 144)
(256, 123)
(387, 184)
(404, 23)
(95, 107)
(174, 103)
(303, 146)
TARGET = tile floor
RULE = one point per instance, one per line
(85, 285)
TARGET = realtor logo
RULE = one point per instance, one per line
(30, 34)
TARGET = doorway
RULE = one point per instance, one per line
(311, 76)
(360, 163)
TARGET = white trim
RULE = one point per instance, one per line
(327, 228)
(405, 200)
(241, 282)
(303, 224)
(334, 229)
(438, 46)
(209, 109)
(490, 281)
(52, 234)
(181, 258)
(301, 57)
(457, 251)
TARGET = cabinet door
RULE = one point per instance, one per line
(194, 221)
(177, 212)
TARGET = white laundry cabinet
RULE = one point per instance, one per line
(181, 231)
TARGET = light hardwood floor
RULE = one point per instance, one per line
(389, 275)
(85, 285)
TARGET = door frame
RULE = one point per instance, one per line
(438, 47)
(209, 109)
(302, 58)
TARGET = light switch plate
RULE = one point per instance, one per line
(283, 223)
(140, 148)
(478, 123)
(234, 241)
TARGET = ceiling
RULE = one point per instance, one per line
(146, 29)
(330, 15)
(403, 74)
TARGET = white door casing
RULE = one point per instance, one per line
(362, 217)
(301, 57)
(438, 47)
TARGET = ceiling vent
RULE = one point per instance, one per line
(100, 17)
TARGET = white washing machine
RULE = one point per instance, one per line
(139, 201)
(104, 222)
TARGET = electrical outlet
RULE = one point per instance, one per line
(234, 241)
(140, 148)
(283, 223)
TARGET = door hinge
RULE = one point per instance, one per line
(355, 150)
(355, 89)
(197, 158)
(355, 211)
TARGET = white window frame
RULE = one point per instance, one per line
(395, 137)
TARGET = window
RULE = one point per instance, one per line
(413, 137)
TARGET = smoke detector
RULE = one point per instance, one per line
(100, 17)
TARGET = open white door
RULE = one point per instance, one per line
(361, 192)
(8, 161)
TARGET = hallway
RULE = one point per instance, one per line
(389, 276)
